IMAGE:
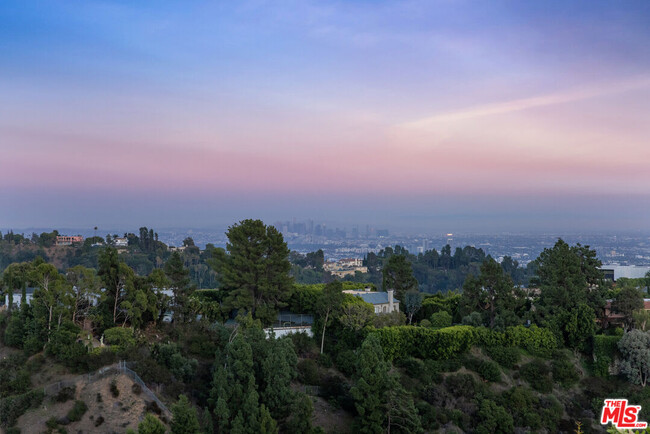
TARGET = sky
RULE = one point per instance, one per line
(441, 115)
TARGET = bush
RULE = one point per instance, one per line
(489, 371)
(605, 351)
(425, 323)
(346, 362)
(77, 412)
(413, 367)
(12, 407)
(507, 357)
(136, 388)
(441, 319)
(308, 372)
(537, 374)
(325, 360)
(114, 390)
(537, 341)
(564, 372)
(303, 343)
(66, 394)
(120, 338)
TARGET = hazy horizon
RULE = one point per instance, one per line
(421, 115)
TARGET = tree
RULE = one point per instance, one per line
(568, 277)
(412, 303)
(635, 348)
(626, 303)
(85, 285)
(179, 281)
(53, 293)
(398, 275)
(329, 302)
(118, 280)
(234, 392)
(256, 273)
(371, 384)
(151, 425)
(184, 418)
(356, 315)
(491, 293)
(401, 414)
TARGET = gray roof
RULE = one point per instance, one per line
(376, 297)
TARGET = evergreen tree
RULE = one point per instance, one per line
(184, 418)
(398, 275)
(179, 280)
(151, 425)
(372, 381)
(329, 303)
(491, 293)
(256, 273)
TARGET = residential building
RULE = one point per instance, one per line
(65, 240)
(383, 302)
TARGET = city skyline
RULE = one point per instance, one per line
(457, 116)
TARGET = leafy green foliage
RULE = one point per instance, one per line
(441, 319)
(605, 350)
(184, 417)
(12, 407)
(494, 418)
(151, 425)
(537, 374)
(169, 356)
(635, 349)
(78, 410)
(404, 341)
(507, 357)
(372, 382)
(256, 273)
(120, 338)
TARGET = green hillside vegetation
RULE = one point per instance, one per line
(492, 357)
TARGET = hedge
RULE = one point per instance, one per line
(605, 350)
(441, 344)
(409, 341)
(537, 341)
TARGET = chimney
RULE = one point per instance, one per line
(390, 300)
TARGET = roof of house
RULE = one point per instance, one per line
(375, 297)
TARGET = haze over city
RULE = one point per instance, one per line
(419, 115)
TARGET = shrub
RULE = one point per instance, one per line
(489, 371)
(564, 372)
(99, 397)
(425, 323)
(308, 372)
(474, 319)
(136, 388)
(325, 360)
(441, 319)
(120, 338)
(303, 343)
(537, 374)
(494, 418)
(605, 350)
(413, 367)
(77, 412)
(12, 407)
(346, 362)
(507, 357)
(114, 390)
(99, 421)
(65, 394)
